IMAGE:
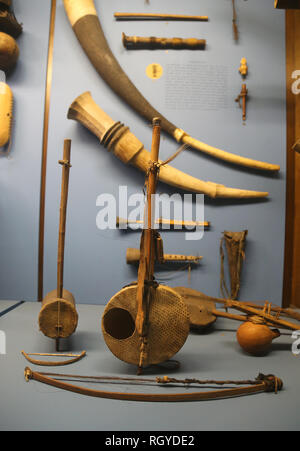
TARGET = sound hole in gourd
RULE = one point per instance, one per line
(119, 323)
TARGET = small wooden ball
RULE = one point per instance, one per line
(9, 52)
(255, 338)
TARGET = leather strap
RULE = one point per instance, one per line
(262, 383)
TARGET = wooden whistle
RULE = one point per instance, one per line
(243, 95)
(153, 43)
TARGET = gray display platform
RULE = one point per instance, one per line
(33, 406)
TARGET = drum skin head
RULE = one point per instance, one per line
(199, 308)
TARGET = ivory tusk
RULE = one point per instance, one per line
(83, 17)
(130, 150)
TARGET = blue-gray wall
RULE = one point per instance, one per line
(95, 265)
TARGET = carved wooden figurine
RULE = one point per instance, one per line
(243, 70)
(58, 317)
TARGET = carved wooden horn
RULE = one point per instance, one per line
(130, 150)
(86, 25)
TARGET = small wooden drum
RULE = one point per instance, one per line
(58, 318)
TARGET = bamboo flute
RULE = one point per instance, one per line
(166, 222)
(151, 16)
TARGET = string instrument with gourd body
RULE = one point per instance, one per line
(58, 317)
(255, 335)
(146, 323)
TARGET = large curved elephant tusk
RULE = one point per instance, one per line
(130, 150)
(86, 25)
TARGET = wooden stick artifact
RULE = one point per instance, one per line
(153, 43)
(83, 17)
(234, 22)
(48, 87)
(151, 16)
(243, 95)
(165, 222)
(63, 216)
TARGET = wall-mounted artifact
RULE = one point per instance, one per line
(8, 21)
(243, 70)
(133, 258)
(151, 16)
(287, 4)
(263, 383)
(58, 317)
(6, 111)
(164, 223)
(86, 25)
(9, 53)
(154, 43)
(146, 323)
(130, 150)
(234, 22)
(243, 96)
(235, 243)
